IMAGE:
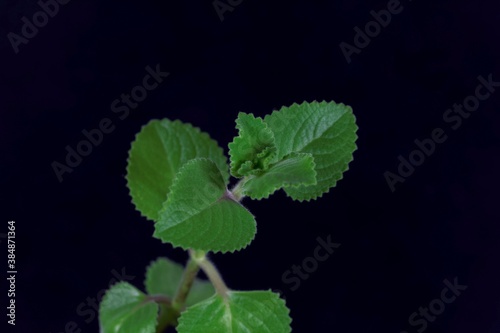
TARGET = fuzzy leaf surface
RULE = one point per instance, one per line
(294, 170)
(325, 130)
(125, 309)
(201, 214)
(253, 150)
(241, 312)
(159, 150)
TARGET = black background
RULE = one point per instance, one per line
(397, 248)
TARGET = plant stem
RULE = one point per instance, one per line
(213, 275)
(237, 190)
(160, 299)
(165, 318)
(169, 313)
(188, 278)
(165, 304)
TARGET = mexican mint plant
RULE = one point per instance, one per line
(178, 178)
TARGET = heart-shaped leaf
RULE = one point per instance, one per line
(325, 130)
(160, 149)
(200, 213)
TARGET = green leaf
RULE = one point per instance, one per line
(325, 130)
(163, 277)
(253, 150)
(125, 309)
(294, 170)
(160, 149)
(240, 312)
(200, 213)
(200, 291)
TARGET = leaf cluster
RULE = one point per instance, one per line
(179, 177)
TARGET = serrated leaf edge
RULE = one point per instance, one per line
(225, 301)
(322, 103)
(107, 295)
(276, 188)
(241, 132)
(197, 129)
(225, 196)
(148, 268)
(320, 195)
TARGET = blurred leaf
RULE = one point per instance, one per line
(125, 309)
(163, 277)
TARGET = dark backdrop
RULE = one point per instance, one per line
(397, 247)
